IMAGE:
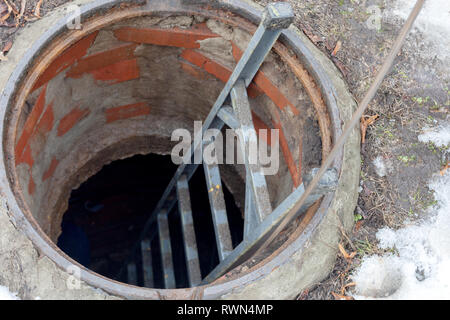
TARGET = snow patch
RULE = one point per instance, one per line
(417, 267)
(6, 295)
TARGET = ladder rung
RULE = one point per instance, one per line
(278, 16)
(247, 248)
(166, 251)
(218, 210)
(169, 199)
(190, 244)
(147, 263)
(132, 273)
(247, 134)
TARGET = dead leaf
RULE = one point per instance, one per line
(358, 225)
(342, 250)
(337, 48)
(445, 168)
(37, 9)
(340, 296)
(365, 122)
(29, 18)
(340, 66)
(345, 253)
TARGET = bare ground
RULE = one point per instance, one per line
(414, 95)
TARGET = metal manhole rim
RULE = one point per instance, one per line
(211, 290)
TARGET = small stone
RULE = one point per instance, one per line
(420, 274)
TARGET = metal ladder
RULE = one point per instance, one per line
(259, 218)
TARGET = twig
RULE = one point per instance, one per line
(337, 48)
(37, 10)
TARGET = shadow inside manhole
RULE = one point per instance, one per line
(106, 215)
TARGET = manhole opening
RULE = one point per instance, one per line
(106, 214)
(118, 91)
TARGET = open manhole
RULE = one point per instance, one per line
(87, 135)
(106, 214)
